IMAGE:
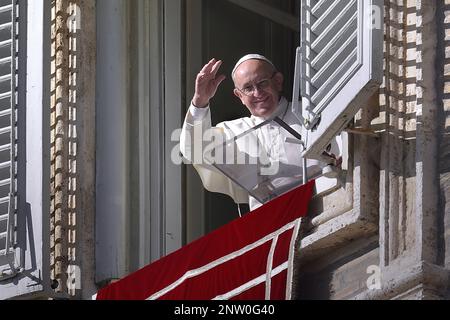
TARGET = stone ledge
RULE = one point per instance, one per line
(335, 233)
(420, 281)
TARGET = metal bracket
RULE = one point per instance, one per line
(297, 109)
(361, 131)
(295, 104)
(290, 130)
(300, 141)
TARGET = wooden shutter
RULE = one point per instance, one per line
(340, 67)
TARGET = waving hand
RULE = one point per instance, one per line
(206, 83)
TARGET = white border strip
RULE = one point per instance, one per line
(233, 255)
(251, 284)
(289, 279)
(269, 267)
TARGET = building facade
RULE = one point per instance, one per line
(99, 190)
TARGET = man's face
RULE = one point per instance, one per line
(258, 87)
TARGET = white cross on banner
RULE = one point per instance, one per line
(250, 258)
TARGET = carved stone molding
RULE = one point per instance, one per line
(393, 186)
(420, 281)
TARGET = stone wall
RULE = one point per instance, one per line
(443, 67)
(399, 179)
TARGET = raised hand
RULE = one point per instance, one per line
(206, 83)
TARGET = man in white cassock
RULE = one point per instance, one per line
(258, 85)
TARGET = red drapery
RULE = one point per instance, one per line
(249, 258)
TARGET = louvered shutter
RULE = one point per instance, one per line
(24, 100)
(340, 67)
(7, 125)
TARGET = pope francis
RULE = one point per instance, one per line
(258, 85)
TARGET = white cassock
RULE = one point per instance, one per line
(271, 137)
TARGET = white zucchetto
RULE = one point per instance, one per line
(250, 57)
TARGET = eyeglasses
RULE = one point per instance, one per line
(260, 85)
